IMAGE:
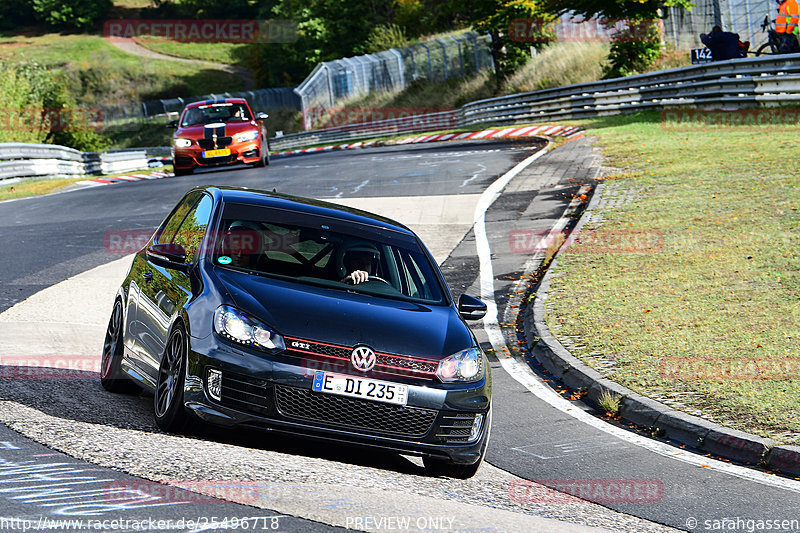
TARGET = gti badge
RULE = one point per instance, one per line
(363, 358)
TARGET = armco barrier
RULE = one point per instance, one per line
(733, 84)
(24, 160)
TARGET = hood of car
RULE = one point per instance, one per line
(221, 129)
(347, 318)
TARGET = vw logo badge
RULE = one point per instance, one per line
(363, 358)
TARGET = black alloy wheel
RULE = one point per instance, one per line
(169, 411)
(112, 378)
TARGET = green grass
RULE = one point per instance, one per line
(226, 53)
(39, 187)
(35, 187)
(140, 135)
(560, 64)
(98, 72)
(721, 288)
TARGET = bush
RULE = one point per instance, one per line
(38, 109)
(633, 50)
(71, 14)
(71, 126)
(384, 37)
(15, 13)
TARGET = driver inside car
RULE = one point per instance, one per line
(361, 262)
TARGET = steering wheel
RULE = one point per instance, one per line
(349, 280)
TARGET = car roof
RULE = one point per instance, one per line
(217, 101)
(300, 204)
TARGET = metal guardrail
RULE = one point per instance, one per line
(732, 84)
(25, 160)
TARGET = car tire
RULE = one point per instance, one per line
(183, 171)
(442, 467)
(168, 408)
(112, 378)
(263, 160)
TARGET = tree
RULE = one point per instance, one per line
(326, 30)
(634, 48)
(71, 14)
(495, 17)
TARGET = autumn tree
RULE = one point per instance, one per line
(637, 45)
(495, 17)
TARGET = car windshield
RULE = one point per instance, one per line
(216, 113)
(324, 251)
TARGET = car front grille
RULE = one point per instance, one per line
(403, 365)
(303, 404)
(208, 144)
(245, 393)
(455, 427)
(211, 161)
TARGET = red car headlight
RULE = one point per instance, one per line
(245, 136)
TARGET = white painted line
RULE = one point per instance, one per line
(523, 374)
(360, 186)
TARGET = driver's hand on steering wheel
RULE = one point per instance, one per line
(359, 276)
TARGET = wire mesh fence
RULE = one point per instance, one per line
(437, 60)
(131, 114)
(682, 28)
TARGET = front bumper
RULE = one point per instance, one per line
(274, 393)
(192, 157)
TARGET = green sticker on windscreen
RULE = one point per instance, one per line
(224, 260)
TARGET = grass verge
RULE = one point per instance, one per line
(97, 72)
(705, 312)
(40, 187)
(35, 187)
(225, 53)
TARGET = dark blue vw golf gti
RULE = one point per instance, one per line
(261, 310)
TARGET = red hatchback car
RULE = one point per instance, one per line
(219, 132)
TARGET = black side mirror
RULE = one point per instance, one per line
(262, 116)
(471, 308)
(167, 255)
(172, 124)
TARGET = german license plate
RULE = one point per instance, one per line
(217, 153)
(366, 389)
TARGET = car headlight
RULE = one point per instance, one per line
(237, 326)
(464, 366)
(182, 143)
(246, 136)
